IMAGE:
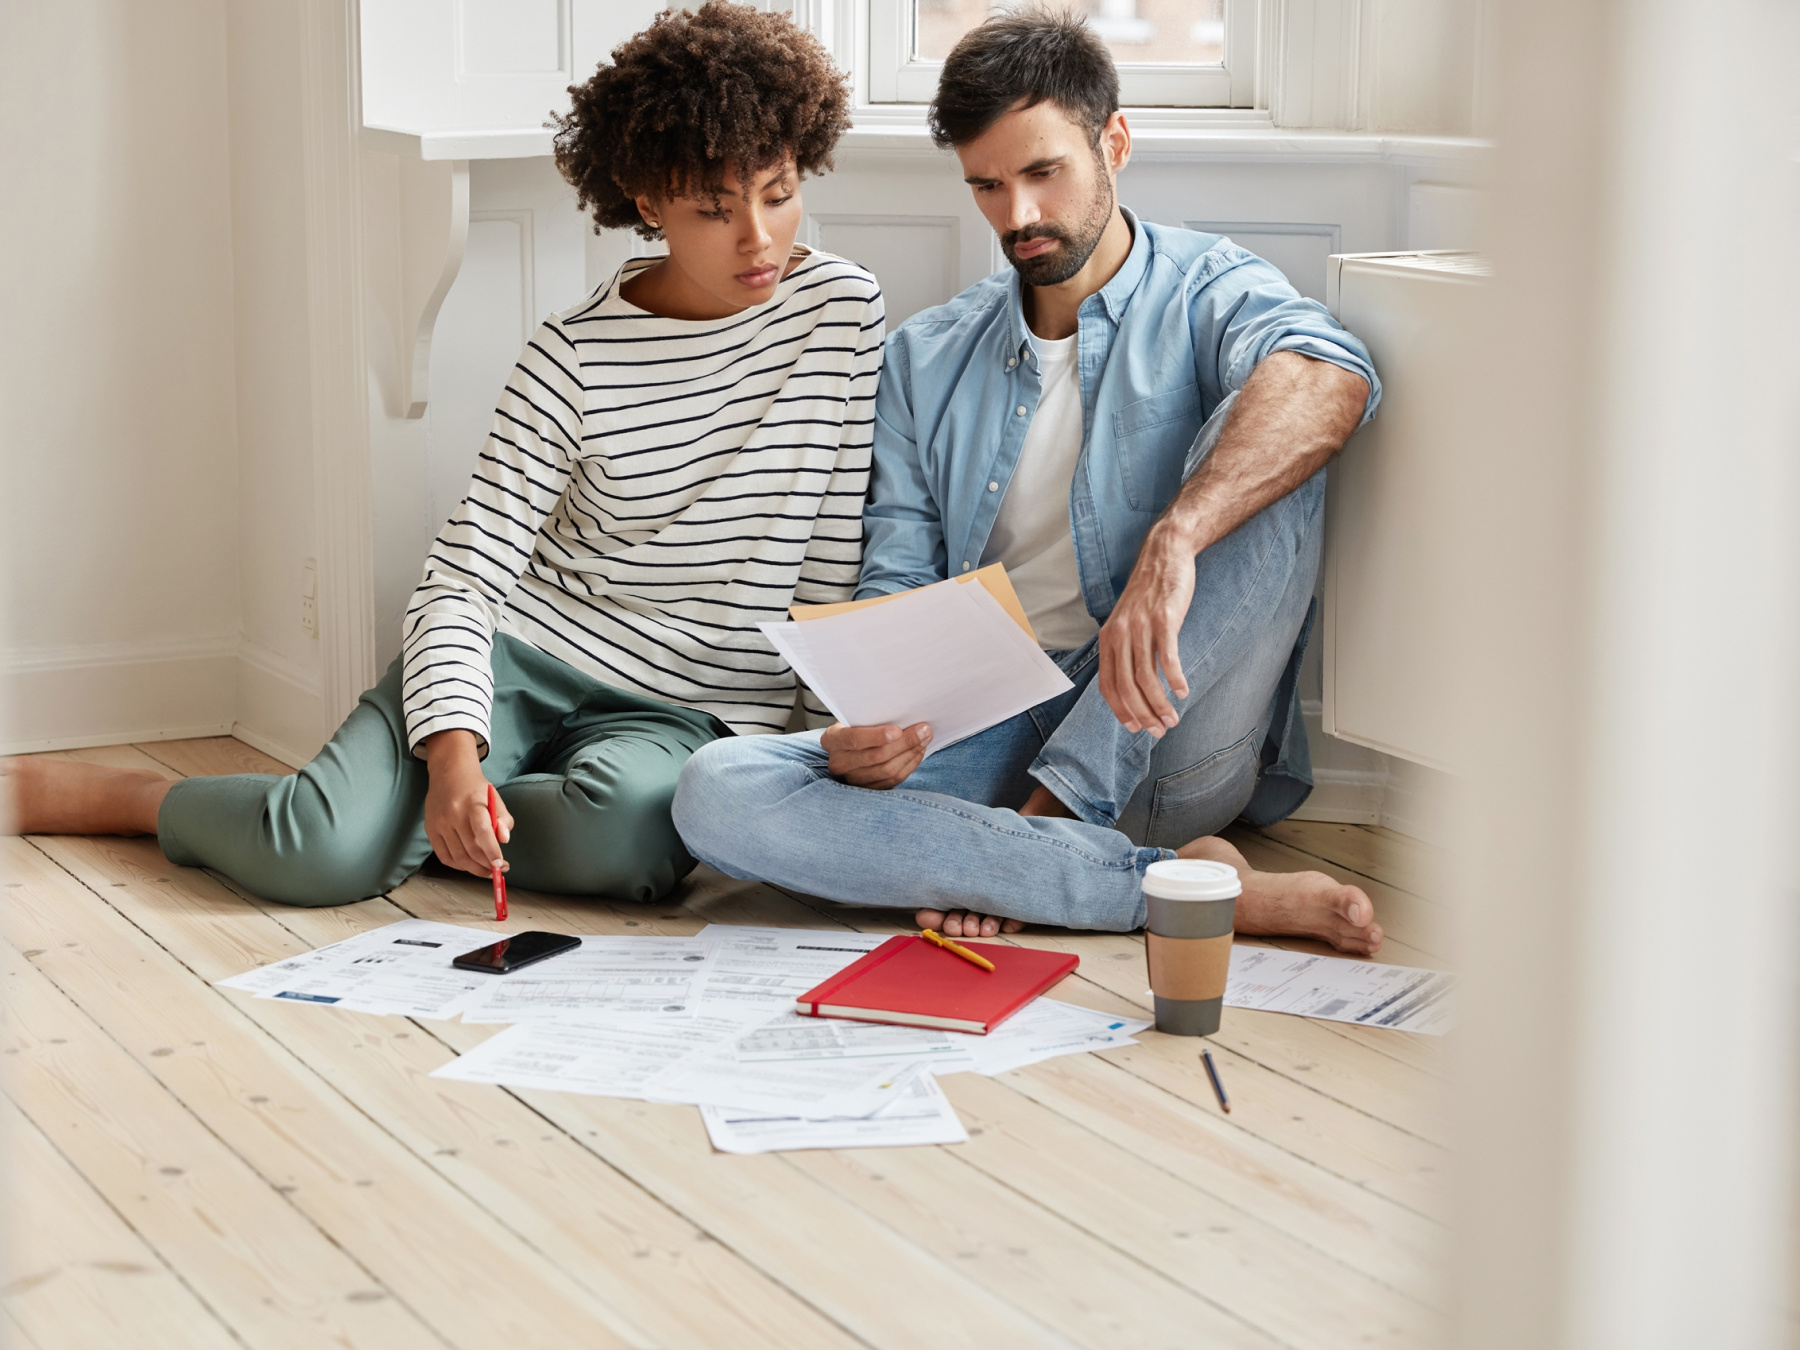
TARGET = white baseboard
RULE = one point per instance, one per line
(67, 698)
(1420, 802)
(1354, 785)
(279, 706)
(256, 741)
(1345, 797)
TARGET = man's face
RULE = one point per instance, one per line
(1044, 188)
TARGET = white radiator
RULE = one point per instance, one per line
(1397, 494)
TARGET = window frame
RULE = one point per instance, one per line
(894, 78)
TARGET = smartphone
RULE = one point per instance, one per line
(509, 953)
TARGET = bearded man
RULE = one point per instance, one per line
(1135, 420)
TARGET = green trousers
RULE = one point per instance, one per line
(587, 771)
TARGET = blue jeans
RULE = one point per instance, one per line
(766, 808)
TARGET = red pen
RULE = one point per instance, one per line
(499, 876)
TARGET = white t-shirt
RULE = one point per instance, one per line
(1031, 535)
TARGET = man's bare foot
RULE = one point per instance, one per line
(1044, 802)
(1295, 904)
(961, 923)
(964, 923)
(61, 796)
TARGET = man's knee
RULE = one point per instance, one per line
(728, 797)
(1184, 803)
(716, 788)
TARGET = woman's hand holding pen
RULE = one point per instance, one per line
(456, 806)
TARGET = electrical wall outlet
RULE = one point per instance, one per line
(309, 598)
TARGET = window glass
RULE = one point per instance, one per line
(1137, 32)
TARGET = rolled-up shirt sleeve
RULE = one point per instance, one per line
(1244, 310)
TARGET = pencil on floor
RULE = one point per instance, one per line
(1212, 1072)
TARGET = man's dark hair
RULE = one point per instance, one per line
(690, 94)
(1023, 58)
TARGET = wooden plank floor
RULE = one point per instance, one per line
(197, 1168)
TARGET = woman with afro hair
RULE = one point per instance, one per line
(673, 460)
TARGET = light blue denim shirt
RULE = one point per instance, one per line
(1181, 325)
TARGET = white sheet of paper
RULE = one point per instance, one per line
(792, 1037)
(922, 1115)
(1044, 1029)
(812, 1088)
(1404, 998)
(603, 1056)
(605, 974)
(401, 969)
(774, 966)
(945, 654)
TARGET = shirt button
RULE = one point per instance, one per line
(993, 487)
(1019, 411)
(1011, 361)
(965, 567)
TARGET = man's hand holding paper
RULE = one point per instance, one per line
(876, 757)
(908, 674)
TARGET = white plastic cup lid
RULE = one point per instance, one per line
(1192, 879)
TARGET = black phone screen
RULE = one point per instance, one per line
(509, 953)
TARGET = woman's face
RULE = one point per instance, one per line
(727, 253)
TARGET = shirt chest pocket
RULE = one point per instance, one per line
(1151, 438)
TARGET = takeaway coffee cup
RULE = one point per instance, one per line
(1188, 941)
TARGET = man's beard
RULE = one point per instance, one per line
(1058, 265)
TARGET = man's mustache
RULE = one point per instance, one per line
(1016, 237)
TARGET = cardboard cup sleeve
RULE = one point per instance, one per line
(1188, 945)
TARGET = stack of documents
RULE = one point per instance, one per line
(947, 654)
(707, 1020)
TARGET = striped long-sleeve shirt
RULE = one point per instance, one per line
(652, 489)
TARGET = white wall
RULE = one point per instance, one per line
(277, 701)
(1629, 627)
(117, 397)
(171, 336)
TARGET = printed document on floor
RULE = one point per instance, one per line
(1403, 998)
(791, 1037)
(605, 1055)
(922, 1115)
(1043, 1029)
(603, 975)
(402, 969)
(811, 1088)
(774, 966)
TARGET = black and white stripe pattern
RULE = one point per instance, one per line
(651, 490)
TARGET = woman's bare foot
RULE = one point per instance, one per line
(961, 923)
(1296, 904)
(62, 796)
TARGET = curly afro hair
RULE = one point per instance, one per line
(691, 94)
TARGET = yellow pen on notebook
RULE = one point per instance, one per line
(938, 940)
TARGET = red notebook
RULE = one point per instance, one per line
(909, 981)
